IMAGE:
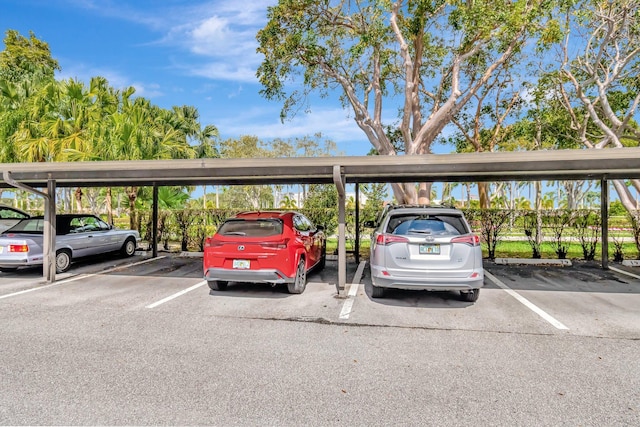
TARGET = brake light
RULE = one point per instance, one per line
(282, 244)
(18, 248)
(471, 240)
(388, 239)
(210, 242)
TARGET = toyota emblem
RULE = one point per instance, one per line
(241, 248)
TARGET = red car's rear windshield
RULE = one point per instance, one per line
(251, 227)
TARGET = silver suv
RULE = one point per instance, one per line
(425, 248)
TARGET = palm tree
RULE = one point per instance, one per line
(288, 202)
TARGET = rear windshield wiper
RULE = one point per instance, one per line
(416, 231)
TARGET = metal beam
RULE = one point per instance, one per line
(357, 242)
(338, 179)
(154, 223)
(619, 163)
(50, 232)
(604, 215)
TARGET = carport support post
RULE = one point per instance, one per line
(357, 243)
(154, 223)
(49, 237)
(604, 213)
(339, 180)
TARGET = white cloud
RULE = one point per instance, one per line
(334, 124)
(224, 71)
(223, 37)
(117, 80)
(219, 34)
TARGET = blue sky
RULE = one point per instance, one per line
(178, 52)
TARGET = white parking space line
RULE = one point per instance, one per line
(353, 291)
(617, 270)
(176, 295)
(546, 316)
(78, 277)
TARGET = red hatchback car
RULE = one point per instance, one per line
(264, 247)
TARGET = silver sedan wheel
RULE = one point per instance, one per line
(129, 247)
(63, 261)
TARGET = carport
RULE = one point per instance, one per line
(43, 178)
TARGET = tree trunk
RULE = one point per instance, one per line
(483, 194)
(132, 194)
(625, 195)
(424, 193)
(538, 207)
(108, 202)
(78, 196)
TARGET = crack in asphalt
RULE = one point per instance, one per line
(325, 321)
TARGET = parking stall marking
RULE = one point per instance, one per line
(176, 295)
(635, 276)
(540, 312)
(78, 277)
(353, 290)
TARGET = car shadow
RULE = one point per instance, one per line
(419, 298)
(252, 290)
(261, 290)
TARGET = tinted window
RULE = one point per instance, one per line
(427, 224)
(32, 225)
(8, 213)
(301, 223)
(251, 227)
(86, 224)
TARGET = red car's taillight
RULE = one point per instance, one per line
(18, 248)
(210, 242)
(388, 239)
(281, 244)
(471, 240)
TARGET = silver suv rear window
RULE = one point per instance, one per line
(427, 224)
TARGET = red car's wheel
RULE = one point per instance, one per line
(217, 285)
(297, 287)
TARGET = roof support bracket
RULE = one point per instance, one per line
(6, 176)
(49, 232)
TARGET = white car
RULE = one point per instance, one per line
(426, 248)
(10, 216)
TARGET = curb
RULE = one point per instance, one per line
(528, 261)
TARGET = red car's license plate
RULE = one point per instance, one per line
(242, 264)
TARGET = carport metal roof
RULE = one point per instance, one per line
(621, 163)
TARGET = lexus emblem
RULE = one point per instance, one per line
(241, 248)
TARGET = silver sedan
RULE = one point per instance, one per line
(77, 235)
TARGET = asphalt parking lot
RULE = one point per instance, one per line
(144, 341)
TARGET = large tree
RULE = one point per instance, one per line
(23, 58)
(598, 81)
(426, 59)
